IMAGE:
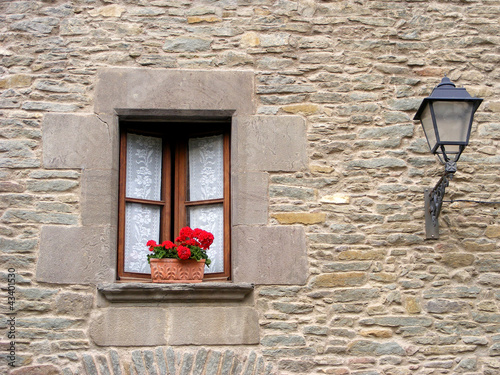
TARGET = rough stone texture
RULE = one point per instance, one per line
(61, 260)
(353, 73)
(213, 326)
(283, 250)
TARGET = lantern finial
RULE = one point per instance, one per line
(446, 82)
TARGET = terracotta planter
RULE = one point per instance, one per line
(177, 271)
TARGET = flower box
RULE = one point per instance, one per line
(169, 270)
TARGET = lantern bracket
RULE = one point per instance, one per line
(434, 200)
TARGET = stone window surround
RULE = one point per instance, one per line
(259, 145)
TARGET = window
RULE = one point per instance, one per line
(173, 174)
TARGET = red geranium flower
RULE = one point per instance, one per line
(168, 244)
(184, 234)
(151, 244)
(206, 239)
(183, 252)
(191, 242)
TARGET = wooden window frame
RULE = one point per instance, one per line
(174, 203)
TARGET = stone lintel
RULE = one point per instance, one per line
(154, 293)
(143, 88)
(270, 255)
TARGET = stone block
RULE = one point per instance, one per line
(377, 163)
(293, 308)
(283, 340)
(186, 44)
(76, 255)
(270, 143)
(337, 198)
(51, 186)
(80, 141)
(341, 238)
(398, 321)
(291, 192)
(441, 306)
(30, 216)
(174, 89)
(99, 202)
(213, 326)
(49, 107)
(74, 304)
(376, 332)
(112, 10)
(130, 326)
(15, 80)
(306, 109)
(488, 279)
(270, 255)
(362, 255)
(300, 217)
(249, 198)
(356, 294)
(365, 347)
(412, 305)
(347, 266)
(340, 279)
(493, 231)
(456, 260)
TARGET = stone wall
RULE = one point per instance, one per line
(379, 298)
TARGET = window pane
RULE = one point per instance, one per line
(142, 223)
(206, 168)
(211, 219)
(144, 156)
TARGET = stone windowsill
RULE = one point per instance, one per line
(154, 293)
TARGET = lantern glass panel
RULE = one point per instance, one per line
(426, 120)
(453, 119)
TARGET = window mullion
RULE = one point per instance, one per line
(166, 193)
(180, 185)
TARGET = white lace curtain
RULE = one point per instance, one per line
(206, 181)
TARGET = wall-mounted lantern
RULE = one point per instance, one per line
(446, 116)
